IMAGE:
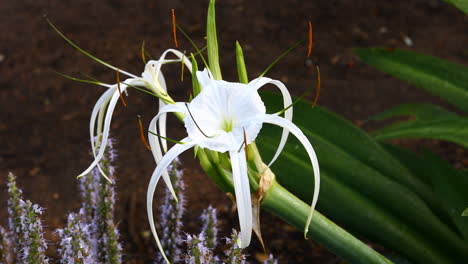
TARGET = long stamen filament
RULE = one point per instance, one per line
(142, 134)
(191, 116)
(317, 92)
(168, 139)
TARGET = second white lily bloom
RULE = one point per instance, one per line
(221, 118)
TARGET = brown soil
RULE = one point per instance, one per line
(44, 117)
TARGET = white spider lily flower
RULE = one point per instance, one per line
(221, 118)
(153, 80)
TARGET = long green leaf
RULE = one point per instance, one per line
(342, 163)
(439, 77)
(451, 186)
(425, 121)
(212, 42)
(460, 4)
(240, 62)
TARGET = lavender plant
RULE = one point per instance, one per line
(75, 240)
(5, 247)
(98, 196)
(209, 220)
(234, 252)
(197, 250)
(33, 245)
(14, 212)
(171, 217)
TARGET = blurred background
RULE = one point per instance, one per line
(44, 117)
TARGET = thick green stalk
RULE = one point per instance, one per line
(294, 211)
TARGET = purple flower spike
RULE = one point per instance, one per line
(171, 217)
(99, 197)
(209, 220)
(14, 212)
(6, 256)
(234, 252)
(33, 245)
(75, 241)
(197, 251)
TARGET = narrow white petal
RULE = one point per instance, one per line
(178, 54)
(105, 133)
(162, 120)
(288, 114)
(103, 100)
(175, 151)
(242, 190)
(279, 121)
(154, 140)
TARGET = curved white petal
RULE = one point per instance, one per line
(242, 190)
(175, 151)
(154, 140)
(279, 121)
(162, 119)
(105, 134)
(288, 114)
(103, 100)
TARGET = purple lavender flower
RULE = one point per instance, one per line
(98, 196)
(14, 213)
(197, 251)
(234, 252)
(171, 217)
(75, 241)
(33, 245)
(5, 247)
(271, 260)
(209, 220)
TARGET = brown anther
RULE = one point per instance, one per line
(118, 87)
(317, 92)
(142, 133)
(309, 47)
(174, 28)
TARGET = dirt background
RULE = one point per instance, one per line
(44, 117)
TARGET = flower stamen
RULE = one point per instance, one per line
(142, 135)
(195, 122)
(309, 48)
(174, 28)
(118, 86)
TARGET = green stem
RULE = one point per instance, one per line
(291, 209)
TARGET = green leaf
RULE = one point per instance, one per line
(451, 187)
(345, 167)
(460, 4)
(439, 77)
(241, 70)
(212, 42)
(425, 121)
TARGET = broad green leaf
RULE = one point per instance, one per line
(353, 141)
(439, 77)
(460, 4)
(425, 121)
(451, 186)
(212, 42)
(344, 164)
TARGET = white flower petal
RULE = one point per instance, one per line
(242, 190)
(279, 121)
(288, 114)
(175, 151)
(103, 100)
(154, 140)
(105, 134)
